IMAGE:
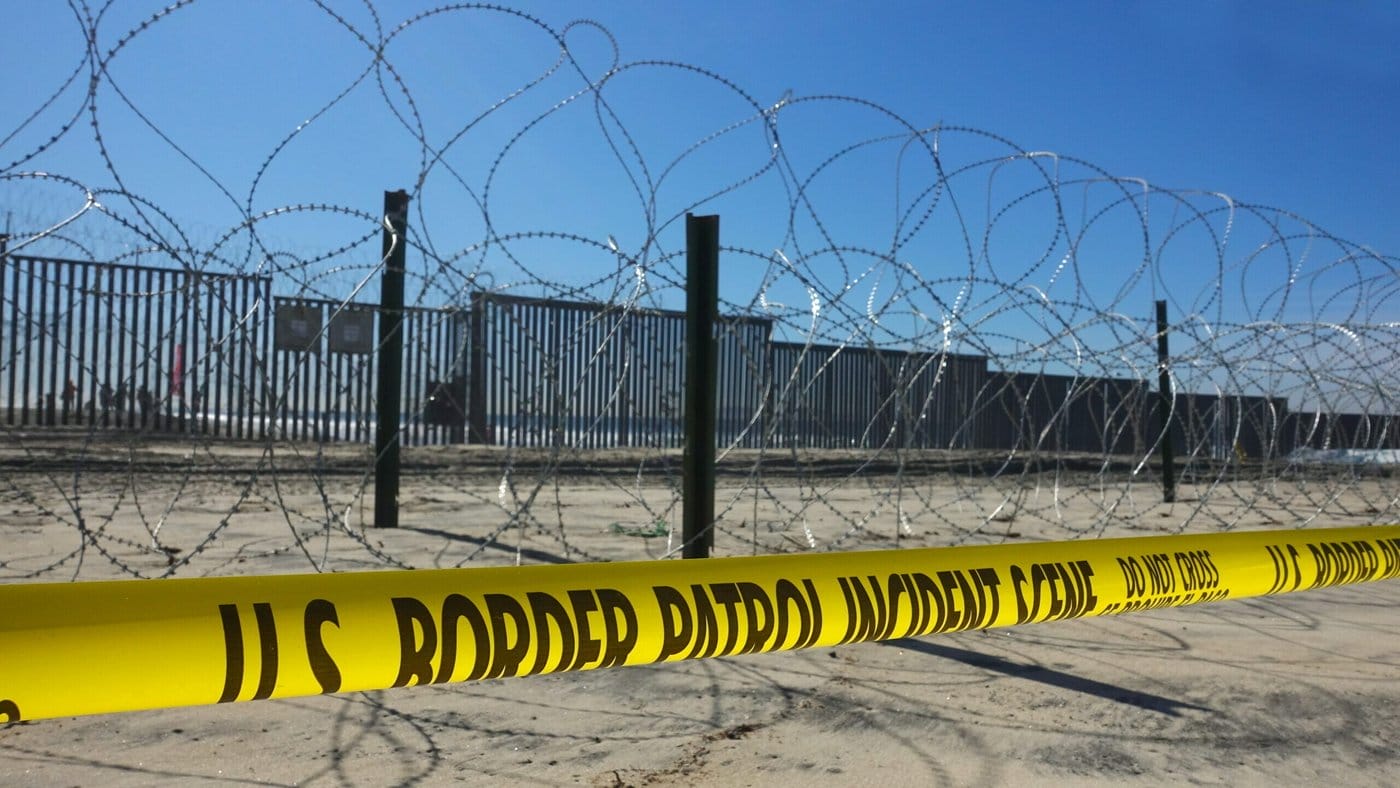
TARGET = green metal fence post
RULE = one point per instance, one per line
(1164, 407)
(390, 353)
(701, 309)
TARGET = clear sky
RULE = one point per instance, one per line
(1284, 104)
(1293, 104)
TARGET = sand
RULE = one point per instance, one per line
(1294, 689)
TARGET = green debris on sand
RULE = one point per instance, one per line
(659, 528)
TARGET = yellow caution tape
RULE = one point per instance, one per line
(84, 648)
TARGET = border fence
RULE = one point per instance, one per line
(133, 348)
(125, 347)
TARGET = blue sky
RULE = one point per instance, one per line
(1292, 105)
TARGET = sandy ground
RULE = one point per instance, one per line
(1298, 690)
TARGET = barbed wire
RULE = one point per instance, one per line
(932, 335)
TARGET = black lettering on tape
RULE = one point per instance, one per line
(619, 639)
(1133, 578)
(913, 600)
(851, 622)
(706, 630)
(1191, 570)
(1019, 580)
(1089, 601)
(1280, 568)
(814, 603)
(510, 642)
(951, 614)
(945, 616)
(876, 606)
(1057, 580)
(785, 597)
(1202, 573)
(875, 624)
(1390, 557)
(1138, 605)
(582, 602)
(860, 610)
(980, 602)
(952, 585)
(865, 608)
(234, 659)
(968, 611)
(1168, 601)
(549, 612)
(1297, 570)
(929, 600)
(1059, 590)
(1159, 572)
(457, 608)
(677, 625)
(1289, 574)
(502, 631)
(989, 583)
(758, 618)
(894, 589)
(233, 653)
(972, 602)
(754, 619)
(319, 612)
(1339, 563)
(1361, 561)
(267, 648)
(9, 710)
(1369, 562)
(954, 599)
(727, 595)
(930, 596)
(1053, 578)
(415, 652)
(1352, 560)
(809, 613)
(1066, 591)
(1322, 559)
